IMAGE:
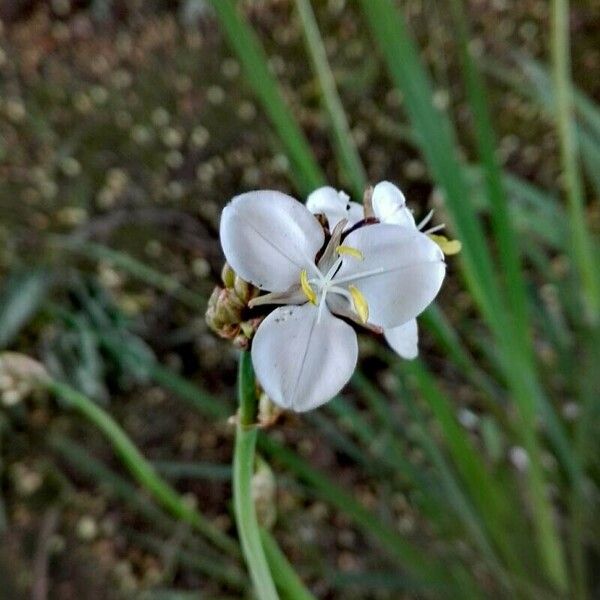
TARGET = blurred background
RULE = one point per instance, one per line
(125, 126)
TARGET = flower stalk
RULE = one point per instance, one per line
(243, 469)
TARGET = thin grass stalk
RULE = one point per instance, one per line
(135, 268)
(348, 157)
(490, 499)
(97, 472)
(508, 249)
(139, 467)
(243, 469)
(429, 572)
(246, 45)
(438, 144)
(582, 248)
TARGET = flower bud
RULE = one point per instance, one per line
(244, 290)
(228, 276)
(227, 312)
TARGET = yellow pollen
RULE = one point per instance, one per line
(449, 247)
(360, 303)
(354, 252)
(306, 288)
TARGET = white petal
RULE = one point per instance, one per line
(389, 205)
(355, 213)
(404, 339)
(334, 205)
(411, 269)
(300, 363)
(268, 238)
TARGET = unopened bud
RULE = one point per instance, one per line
(244, 290)
(228, 276)
(228, 313)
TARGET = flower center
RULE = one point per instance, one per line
(316, 289)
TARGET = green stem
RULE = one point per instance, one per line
(583, 253)
(243, 469)
(139, 467)
(285, 577)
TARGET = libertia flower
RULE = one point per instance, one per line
(389, 206)
(378, 275)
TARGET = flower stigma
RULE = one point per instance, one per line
(316, 289)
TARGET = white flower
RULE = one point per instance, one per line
(389, 206)
(379, 275)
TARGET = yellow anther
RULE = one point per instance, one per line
(449, 247)
(354, 252)
(306, 288)
(360, 303)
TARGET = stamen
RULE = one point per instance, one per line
(354, 252)
(434, 228)
(425, 220)
(359, 275)
(360, 303)
(448, 247)
(306, 288)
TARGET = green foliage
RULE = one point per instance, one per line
(503, 496)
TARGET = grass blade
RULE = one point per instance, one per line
(348, 157)
(416, 563)
(508, 249)
(247, 47)
(438, 145)
(139, 467)
(581, 243)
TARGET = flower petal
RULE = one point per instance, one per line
(300, 363)
(400, 275)
(404, 339)
(389, 205)
(335, 206)
(268, 238)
